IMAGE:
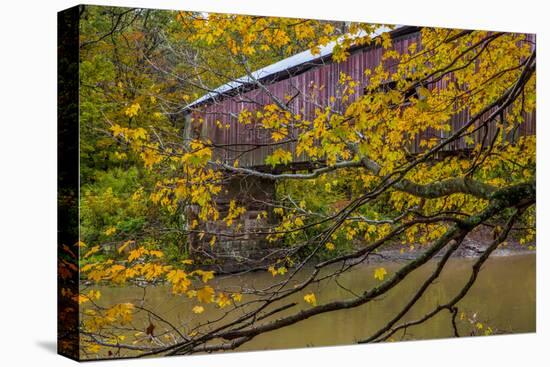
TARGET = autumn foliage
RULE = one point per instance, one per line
(364, 190)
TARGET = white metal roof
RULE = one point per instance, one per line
(285, 64)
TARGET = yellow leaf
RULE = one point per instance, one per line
(82, 298)
(278, 135)
(122, 312)
(124, 245)
(94, 295)
(380, 273)
(223, 300)
(310, 298)
(151, 270)
(150, 158)
(329, 246)
(236, 297)
(279, 156)
(137, 253)
(132, 110)
(279, 271)
(205, 275)
(179, 280)
(87, 267)
(117, 130)
(205, 294)
(198, 309)
(92, 251)
(109, 231)
(156, 253)
(93, 348)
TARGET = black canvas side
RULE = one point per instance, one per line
(68, 181)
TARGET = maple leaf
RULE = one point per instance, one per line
(117, 130)
(278, 157)
(279, 271)
(132, 110)
(311, 299)
(205, 294)
(205, 275)
(278, 135)
(93, 348)
(82, 298)
(92, 251)
(179, 281)
(198, 309)
(380, 273)
(137, 253)
(156, 253)
(122, 312)
(124, 245)
(109, 231)
(223, 300)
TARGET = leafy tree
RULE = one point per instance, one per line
(367, 189)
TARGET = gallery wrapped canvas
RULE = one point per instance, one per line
(234, 182)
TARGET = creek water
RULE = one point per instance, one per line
(502, 299)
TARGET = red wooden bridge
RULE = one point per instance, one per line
(294, 77)
(215, 117)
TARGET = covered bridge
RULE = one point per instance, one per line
(218, 113)
(294, 76)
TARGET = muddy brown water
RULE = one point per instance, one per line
(503, 299)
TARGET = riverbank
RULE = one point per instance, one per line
(472, 246)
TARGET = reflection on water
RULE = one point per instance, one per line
(503, 298)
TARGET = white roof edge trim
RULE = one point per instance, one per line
(290, 62)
